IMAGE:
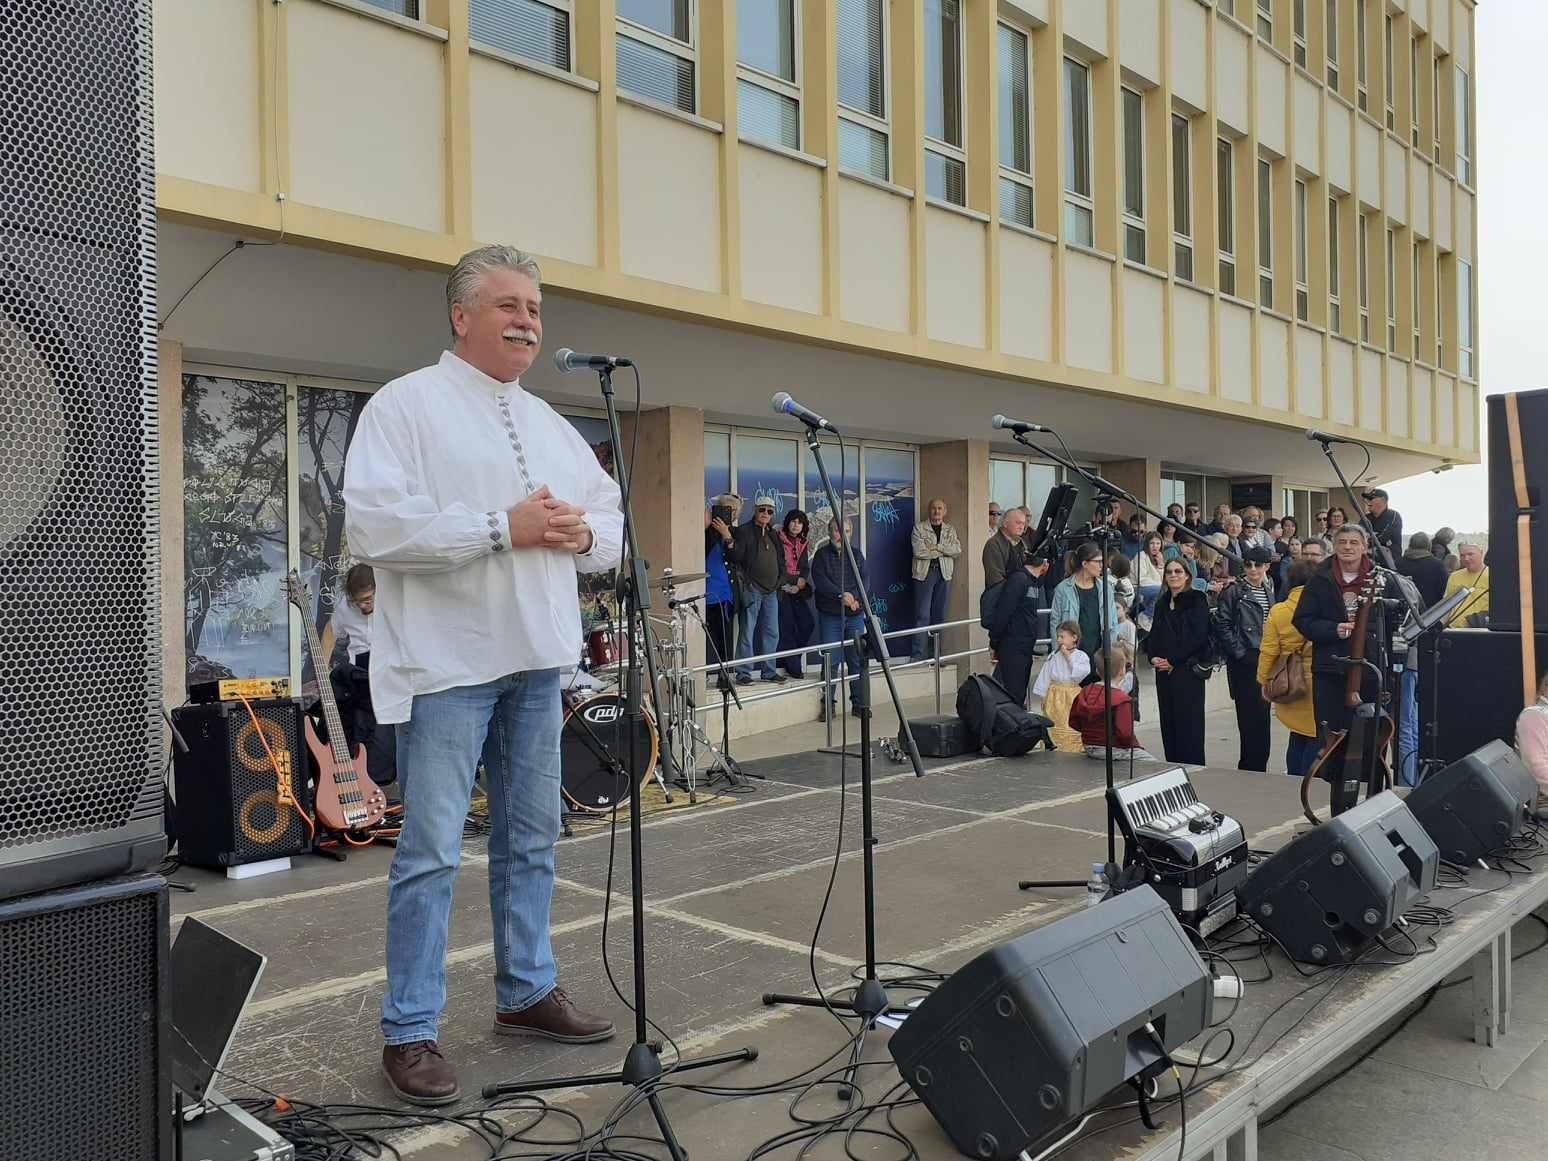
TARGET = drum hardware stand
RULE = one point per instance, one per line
(641, 1067)
(722, 764)
(870, 999)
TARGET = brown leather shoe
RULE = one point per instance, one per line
(419, 1073)
(554, 1017)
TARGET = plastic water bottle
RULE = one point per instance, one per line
(1096, 887)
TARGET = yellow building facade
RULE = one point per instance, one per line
(1178, 231)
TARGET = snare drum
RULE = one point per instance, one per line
(607, 646)
(593, 739)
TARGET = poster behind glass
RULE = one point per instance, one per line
(844, 470)
(889, 523)
(598, 599)
(766, 467)
(235, 617)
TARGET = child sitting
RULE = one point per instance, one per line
(1058, 684)
(1089, 713)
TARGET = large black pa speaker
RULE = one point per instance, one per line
(1477, 805)
(1328, 893)
(80, 639)
(1034, 1033)
(84, 1051)
(1504, 572)
(230, 805)
(1470, 689)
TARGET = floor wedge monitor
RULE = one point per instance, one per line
(1034, 1033)
(1476, 806)
(1329, 893)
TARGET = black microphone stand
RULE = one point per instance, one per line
(1107, 493)
(642, 1065)
(870, 1000)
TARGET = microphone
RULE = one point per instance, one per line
(784, 405)
(1019, 426)
(1324, 438)
(567, 360)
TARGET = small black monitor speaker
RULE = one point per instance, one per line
(1477, 805)
(1329, 893)
(1034, 1033)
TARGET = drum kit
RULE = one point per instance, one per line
(594, 744)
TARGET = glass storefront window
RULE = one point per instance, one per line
(717, 464)
(844, 471)
(766, 466)
(888, 511)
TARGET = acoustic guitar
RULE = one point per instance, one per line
(347, 799)
(1357, 756)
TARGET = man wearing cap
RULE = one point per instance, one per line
(754, 549)
(1243, 608)
(1385, 521)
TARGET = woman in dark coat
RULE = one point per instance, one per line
(796, 620)
(1179, 636)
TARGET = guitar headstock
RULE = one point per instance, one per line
(295, 590)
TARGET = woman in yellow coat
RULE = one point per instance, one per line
(1280, 637)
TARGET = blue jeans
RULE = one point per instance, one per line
(760, 629)
(1300, 754)
(1408, 729)
(930, 597)
(514, 722)
(832, 627)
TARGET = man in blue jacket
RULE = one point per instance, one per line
(838, 609)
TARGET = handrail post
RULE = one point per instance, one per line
(827, 694)
(935, 656)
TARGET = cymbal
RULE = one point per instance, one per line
(678, 578)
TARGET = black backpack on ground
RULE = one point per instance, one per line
(994, 720)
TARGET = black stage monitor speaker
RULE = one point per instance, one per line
(1330, 892)
(1031, 1035)
(230, 806)
(83, 1051)
(80, 639)
(1504, 575)
(1470, 694)
(1476, 806)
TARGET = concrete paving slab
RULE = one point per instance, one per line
(1442, 1045)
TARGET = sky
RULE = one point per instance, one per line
(1512, 162)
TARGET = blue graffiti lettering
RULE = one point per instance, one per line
(883, 512)
(895, 587)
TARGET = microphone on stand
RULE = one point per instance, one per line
(785, 405)
(567, 360)
(1323, 437)
(1019, 426)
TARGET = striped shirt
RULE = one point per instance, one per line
(1263, 594)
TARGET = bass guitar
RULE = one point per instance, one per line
(1357, 756)
(347, 799)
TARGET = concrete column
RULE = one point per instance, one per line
(958, 472)
(1141, 477)
(174, 665)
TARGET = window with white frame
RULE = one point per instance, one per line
(1266, 19)
(1413, 91)
(1414, 303)
(1133, 175)
(768, 93)
(656, 56)
(945, 163)
(1227, 6)
(1014, 82)
(1302, 294)
(1361, 52)
(1363, 272)
(1465, 318)
(1330, 41)
(1440, 312)
(863, 131)
(1079, 215)
(1436, 65)
(536, 29)
(1298, 29)
(409, 8)
(1335, 277)
(1265, 233)
(1225, 212)
(1182, 197)
(1464, 129)
(1389, 76)
(1391, 289)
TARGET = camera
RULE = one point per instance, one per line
(723, 513)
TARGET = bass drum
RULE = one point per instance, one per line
(594, 753)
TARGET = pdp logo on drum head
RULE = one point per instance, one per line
(603, 715)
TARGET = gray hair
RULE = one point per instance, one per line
(1357, 529)
(1232, 516)
(467, 277)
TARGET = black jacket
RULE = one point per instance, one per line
(1322, 610)
(1389, 530)
(1427, 573)
(1016, 624)
(756, 553)
(1179, 632)
(1240, 619)
(831, 578)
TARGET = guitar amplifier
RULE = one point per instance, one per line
(233, 805)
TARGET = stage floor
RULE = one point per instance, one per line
(733, 892)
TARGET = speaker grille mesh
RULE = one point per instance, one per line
(80, 743)
(81, 1050)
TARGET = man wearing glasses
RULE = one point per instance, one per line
(994, 517)
(754, 549)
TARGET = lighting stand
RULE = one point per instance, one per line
(870, 1000)
(642, 1064)
(1107, 493)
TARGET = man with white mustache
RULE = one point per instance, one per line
(477, 504)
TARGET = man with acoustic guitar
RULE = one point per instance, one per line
(1341, 597)
(477, 504)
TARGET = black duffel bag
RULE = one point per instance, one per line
(995, 721)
